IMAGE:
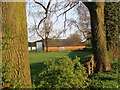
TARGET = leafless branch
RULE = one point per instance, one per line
(74, 23)
(65, 11)
(60, 8)
(65, 21)
(40, 4)
(49, 4)
(36, 29)
(41, 21)
(46, 11)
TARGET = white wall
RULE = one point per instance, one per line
(33, 48)
(39, 46)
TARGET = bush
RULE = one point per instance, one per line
(63, 73)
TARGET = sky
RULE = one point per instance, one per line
(33, 8)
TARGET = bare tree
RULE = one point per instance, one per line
(97, 23)
(43, 32)
(83, 24)
(47, 28)
(53, 8)
(44, 28)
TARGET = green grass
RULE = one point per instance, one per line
(37, 58)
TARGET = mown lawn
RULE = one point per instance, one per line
(37, 58)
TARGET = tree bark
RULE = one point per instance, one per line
(15, 43)
(98, 36)
(46, 42)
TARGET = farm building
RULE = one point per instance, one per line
(55, 45)
(65, 48)
(35, 46)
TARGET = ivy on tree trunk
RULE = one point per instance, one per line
(15, 45)
(98, 36)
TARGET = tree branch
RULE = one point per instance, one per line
(46, 11)
(65, 11)
(60, 8)
(40, 4)
(49, 4)
(41, 21)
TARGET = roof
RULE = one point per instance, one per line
(58, 42)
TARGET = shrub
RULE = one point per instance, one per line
(63, 73)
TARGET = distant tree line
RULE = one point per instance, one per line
(73, 40)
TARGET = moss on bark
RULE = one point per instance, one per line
(15, 42)
(98, 36)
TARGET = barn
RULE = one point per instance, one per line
(55, 45)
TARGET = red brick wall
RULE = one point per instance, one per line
(67, 48)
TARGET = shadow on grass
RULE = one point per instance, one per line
(37, 68)
(80, 53)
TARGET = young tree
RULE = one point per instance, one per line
(47, 28)
(44, 32)
(44, 28)
(49, 10)
(15, 45)
(98, 36)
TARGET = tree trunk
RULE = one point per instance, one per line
(15, 44)
(98, 36)
(46, 43)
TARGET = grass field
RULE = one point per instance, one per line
(37, 58)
